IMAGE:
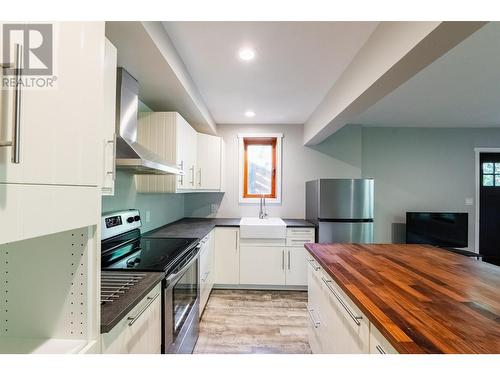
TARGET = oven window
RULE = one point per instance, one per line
(184, 295)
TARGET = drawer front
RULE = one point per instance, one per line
(300, 232)
(354, 330)
(140, 331)
(378, 343)
(298, 242)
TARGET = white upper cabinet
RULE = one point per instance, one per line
(58, 126)
(169, 135)
(109, 136)
(209, 162)
(60, 167)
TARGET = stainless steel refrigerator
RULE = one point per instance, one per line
(341, 209)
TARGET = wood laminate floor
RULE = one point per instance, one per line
(254, 321)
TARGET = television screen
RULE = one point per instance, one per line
(444, 229)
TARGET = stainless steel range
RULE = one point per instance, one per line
(123, 248)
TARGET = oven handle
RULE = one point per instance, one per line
(172, 279)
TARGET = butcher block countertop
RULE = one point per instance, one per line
(422, 299)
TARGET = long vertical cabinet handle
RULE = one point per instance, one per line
(236, 240)
(199, 179)
(192, 175)
(181, 167)
(16, 128)
(283, 259)
(113, 171)
(288, 260)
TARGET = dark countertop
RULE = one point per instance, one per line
(200, 227)
(422, 299)
(112, 313)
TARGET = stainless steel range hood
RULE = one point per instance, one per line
(130, 155)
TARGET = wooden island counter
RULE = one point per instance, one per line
(420, 298)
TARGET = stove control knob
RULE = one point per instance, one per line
(130, 219)
(137, 218)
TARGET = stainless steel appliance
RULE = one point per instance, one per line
(123, 248)
(131, 155)
(341, 209)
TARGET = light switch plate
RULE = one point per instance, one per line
(469, 201)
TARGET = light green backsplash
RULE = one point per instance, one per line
(163, 208)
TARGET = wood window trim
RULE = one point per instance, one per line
(271, 141)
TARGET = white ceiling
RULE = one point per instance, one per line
(460, 89)
(296, 64)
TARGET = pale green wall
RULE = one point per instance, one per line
(164, 208)
(421, 169)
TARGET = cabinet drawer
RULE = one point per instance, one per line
(140, 331)
(378, 343)
(300, 233)
(298, 242)
(352, 328)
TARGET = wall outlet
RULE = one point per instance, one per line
(469, 201)
(148, 216)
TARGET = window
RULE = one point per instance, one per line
(260, 167)
(491, 174)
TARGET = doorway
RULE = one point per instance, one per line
(488, 204)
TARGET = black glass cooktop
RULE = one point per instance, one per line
(145, 254)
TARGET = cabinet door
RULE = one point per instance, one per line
(209, 162)
(349, 328)
(378, 343)
(313, 298)
(60, 127)
(109, 136)
(227, 256)
(140, 331)
(262, 265)
(186, 153)
(296, 269)
(204, 273)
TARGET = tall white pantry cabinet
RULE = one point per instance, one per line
(50, 199)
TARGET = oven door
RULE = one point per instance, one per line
(181, 307)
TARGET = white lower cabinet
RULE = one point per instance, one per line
(379, 344)
(336, 324)
(262, 265)
(140, 331)
(227, 255)
(207, 258)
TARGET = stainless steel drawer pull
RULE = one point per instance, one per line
(283, 259)
(355, 318)
(315, 323)
(288, 260)
(380, 350)
(16, 128)
(134, 319)
(313, 265)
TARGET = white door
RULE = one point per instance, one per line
(296, 269)
(227, 256)
(109, 136)
(262, 265)
(209, 162)
(60, 127)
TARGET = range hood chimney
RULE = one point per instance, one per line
(130, 155)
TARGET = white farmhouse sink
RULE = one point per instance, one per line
(253, 227)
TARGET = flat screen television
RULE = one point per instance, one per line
(443, 229)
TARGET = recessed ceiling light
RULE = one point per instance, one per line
(250, 114)
(246, 54)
